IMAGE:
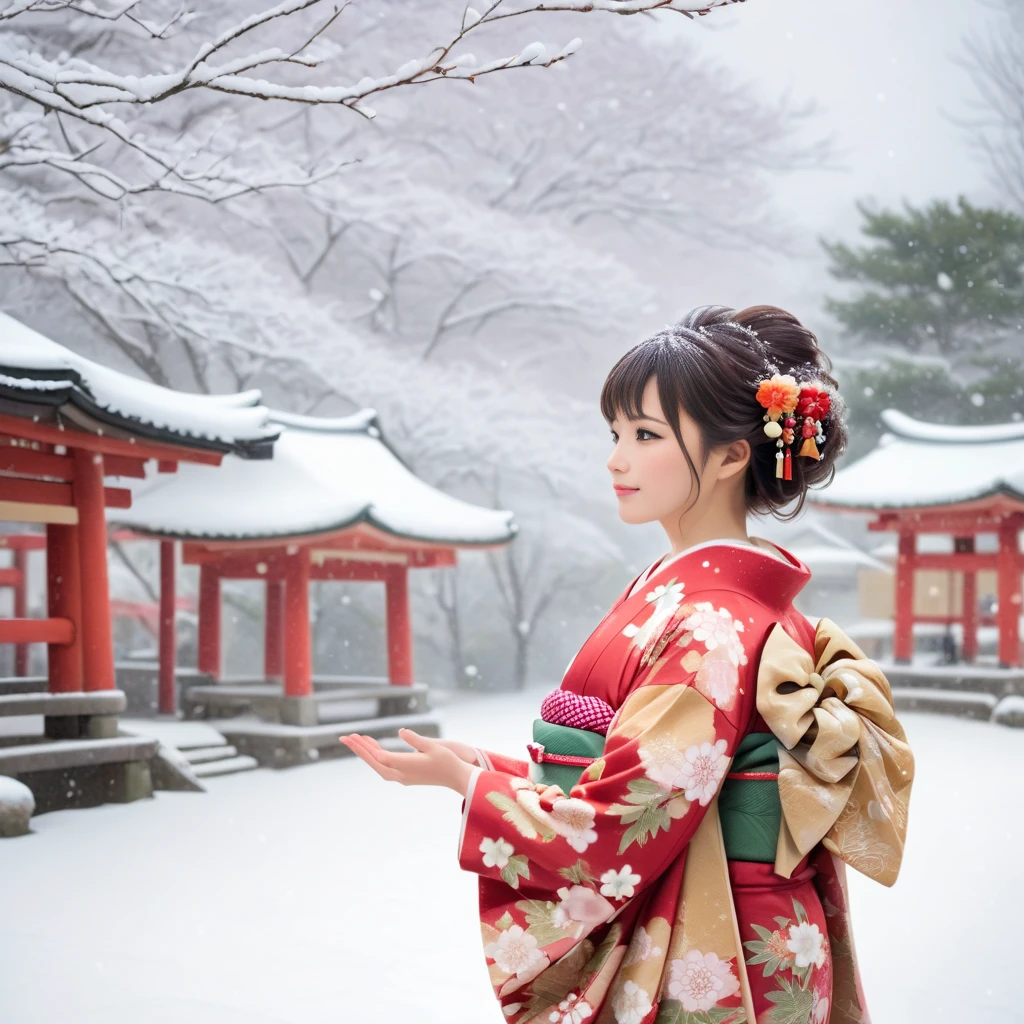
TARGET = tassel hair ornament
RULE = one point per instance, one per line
(793, 410)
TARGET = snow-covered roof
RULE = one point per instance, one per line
(50, 378)
(325, 475)
(926, 464)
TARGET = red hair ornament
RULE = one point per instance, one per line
(804, 407)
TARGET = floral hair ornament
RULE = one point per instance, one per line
(792, 406)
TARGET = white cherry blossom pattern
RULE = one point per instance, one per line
(807, 944)
(819, 1008)
(573, 819)
(666, 599)
(580, 910)
(515, 951)
(702, 770)
(631, 1004)
(662, 761)
(700, 980)
(718, 679)
(571, 1010)
(619, 884)
(670, 592)
(715, 629)
(569, 817)
(641, 948)
(496, 852)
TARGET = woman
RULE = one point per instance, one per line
(673, 851)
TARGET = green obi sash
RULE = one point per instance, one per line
(562, 741)
(749, 808)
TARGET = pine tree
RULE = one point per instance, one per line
(940, 313)
(946, 278)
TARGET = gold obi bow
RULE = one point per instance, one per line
(846, 770)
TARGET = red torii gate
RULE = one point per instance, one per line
(997, 514)
(16, 577)
(945, 479)
(353, 554)
(55, 476)
(335, 503)
(67, 423)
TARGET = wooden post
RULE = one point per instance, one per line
(1008, 616)
(168, 632)
(399, 636)
(21, 608)
(903, 629)
(968, 601)
(273, 630)
(208, 655)
(97, 634)
(298, 663)
(64, 601)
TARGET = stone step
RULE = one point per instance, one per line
(96, 702)
(334, 703)
(227, 766)
(945, 702)
(203, 755)
(24, 684)
(280, 745)
(225, 693)
(36, 757)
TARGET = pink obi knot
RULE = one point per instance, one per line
(563, 707)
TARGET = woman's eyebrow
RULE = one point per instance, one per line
(644, 416)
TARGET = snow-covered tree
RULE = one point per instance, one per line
(996, 64)
(204, 195)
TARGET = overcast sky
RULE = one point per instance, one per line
(885, 75)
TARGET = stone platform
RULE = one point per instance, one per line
(999, 682)
(278, 745)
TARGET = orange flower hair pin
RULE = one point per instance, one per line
(787, 401)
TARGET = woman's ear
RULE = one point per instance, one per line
(736, 460)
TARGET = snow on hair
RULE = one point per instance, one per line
(709, 364)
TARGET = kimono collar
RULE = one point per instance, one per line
(743, 568)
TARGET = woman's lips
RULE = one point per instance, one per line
(622, 492)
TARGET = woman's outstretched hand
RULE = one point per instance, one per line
(432, 762)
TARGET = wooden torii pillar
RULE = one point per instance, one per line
(208, 655)
(903, 628)
(1009, 591)
(273, 631)
(968, 601)
(399, 627)
(298, 648)
(168, 694)
(21, 606)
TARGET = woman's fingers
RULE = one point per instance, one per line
(416, 741)
(366, 753)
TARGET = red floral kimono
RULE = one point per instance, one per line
(615, 903)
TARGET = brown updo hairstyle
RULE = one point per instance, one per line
(710, 364)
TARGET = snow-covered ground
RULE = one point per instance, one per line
(324, 894)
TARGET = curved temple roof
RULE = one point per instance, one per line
(55, 382)
(917, 465)
(325, 475)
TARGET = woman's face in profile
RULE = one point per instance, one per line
(651, 476)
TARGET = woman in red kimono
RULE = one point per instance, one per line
(673, 851)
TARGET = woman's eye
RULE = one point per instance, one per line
(615, 438)
(645, 435)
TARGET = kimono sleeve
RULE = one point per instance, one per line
(491, 761)
(581, 857)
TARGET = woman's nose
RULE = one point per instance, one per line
(617, 462)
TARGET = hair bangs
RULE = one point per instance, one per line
(623, 391)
